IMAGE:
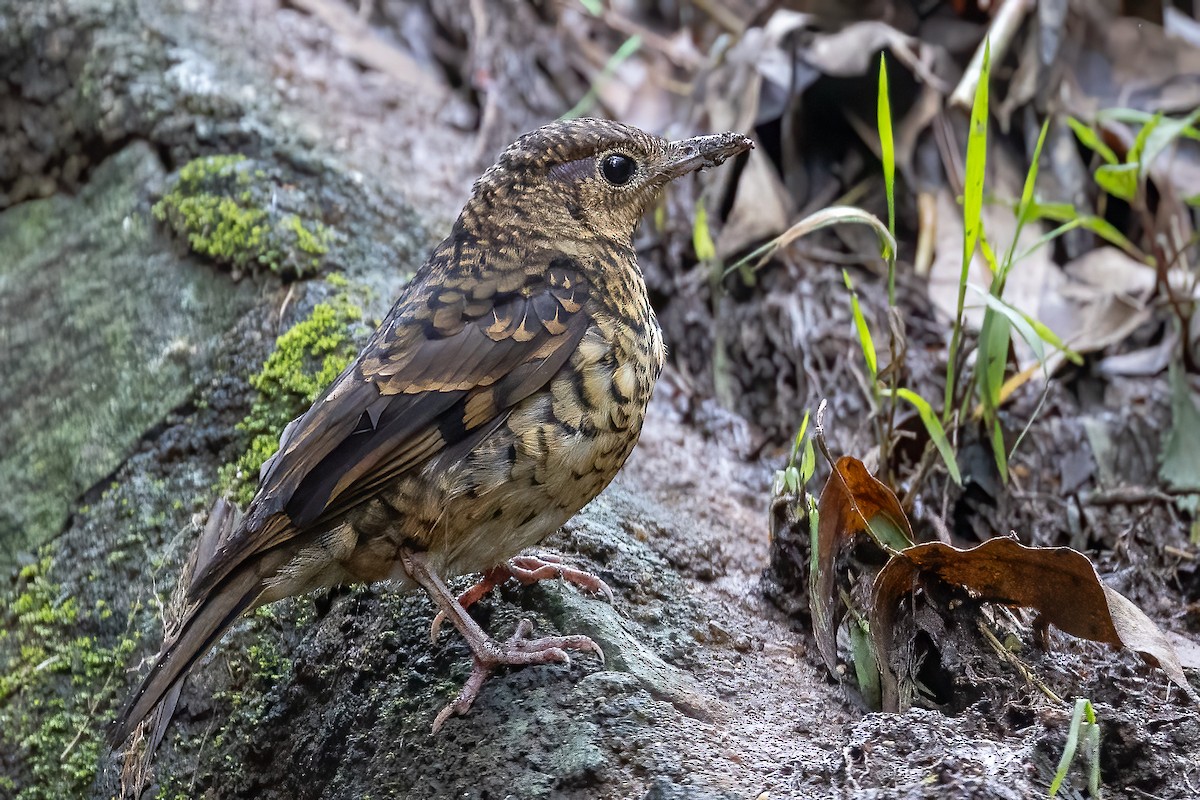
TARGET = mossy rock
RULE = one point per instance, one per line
(56, 679)
(247, 216)
(306, 359)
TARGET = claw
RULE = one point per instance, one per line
(520, 649)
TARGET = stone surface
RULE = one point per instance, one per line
(104, 329)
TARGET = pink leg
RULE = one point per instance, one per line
(518, 650)
(528, 569)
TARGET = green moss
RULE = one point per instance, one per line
(306, 360)
(228, 210)
(57, 680)
(314, 242)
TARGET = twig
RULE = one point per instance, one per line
(721, 15)
(1000, 35)
(1015, 662)
(1128, 496)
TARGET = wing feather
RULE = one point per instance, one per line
(448, 361)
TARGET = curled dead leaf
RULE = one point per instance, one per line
(852, 502)
(1061, 584)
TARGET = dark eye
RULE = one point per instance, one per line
(618, 169)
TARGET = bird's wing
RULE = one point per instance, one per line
(449, 359)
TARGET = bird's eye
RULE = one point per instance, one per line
(618, 169)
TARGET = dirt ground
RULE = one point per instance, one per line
(713, 687)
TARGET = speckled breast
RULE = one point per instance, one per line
(555, 452)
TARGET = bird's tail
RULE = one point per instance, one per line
(203, 621)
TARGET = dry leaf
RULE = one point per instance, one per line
(1059, 583)
(851, 501)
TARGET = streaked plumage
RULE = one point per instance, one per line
(502, 392)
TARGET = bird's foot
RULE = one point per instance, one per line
(518, 650)
(533, 568)
(527, 569)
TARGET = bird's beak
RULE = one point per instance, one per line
(701, 152)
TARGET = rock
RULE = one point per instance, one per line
(105, 328)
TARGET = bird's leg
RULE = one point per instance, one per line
(517, 650)
(527, 569)
(490, 580)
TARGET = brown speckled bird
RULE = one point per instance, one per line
(501, 394)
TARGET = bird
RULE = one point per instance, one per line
(502, 392)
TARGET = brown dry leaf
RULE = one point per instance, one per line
(761, 208)
(362, 44)
(1101, 304)
(853, 51)
(851, 502)
(1059, 583)
(1108, 270)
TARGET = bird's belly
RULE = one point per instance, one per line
(556, 450)
(548, 470)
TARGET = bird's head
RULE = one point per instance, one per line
(589, 177)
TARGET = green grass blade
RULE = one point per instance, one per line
(627, 49)
(832, 215)
(702, 241)
(1139, 142)
(887, 150)
(937, 433)
(808, 461)
(1018, 320)
(1069, 748)
(1025, 209)
(998, 450)
(1097, 225)
(976, 164)
(1119, 180)
(992, 359)
(1134, 117)
(865, 342)
(972, 211)
(1055, 212)
(1092, 141)
(1164, 134)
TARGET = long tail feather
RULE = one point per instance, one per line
(201, 628)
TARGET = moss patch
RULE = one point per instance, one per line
(306, 360)
(57, 682)
(238, 214)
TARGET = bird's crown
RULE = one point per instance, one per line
(589, 176)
